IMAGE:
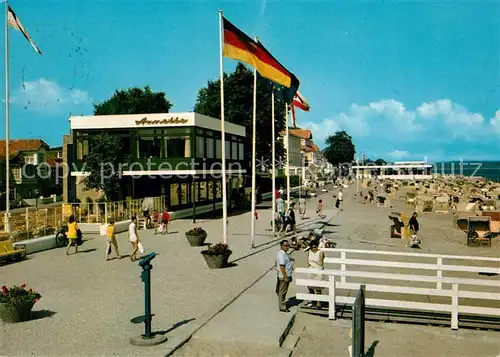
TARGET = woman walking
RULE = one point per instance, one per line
(134, 238)
(72, 234)
(111, 240)
(315, 260)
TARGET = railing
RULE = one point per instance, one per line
(103, 212)
(458, 287)
(33, 222)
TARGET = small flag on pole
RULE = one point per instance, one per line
(14, 22)
(300, 102)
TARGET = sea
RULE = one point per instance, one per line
(487, 169)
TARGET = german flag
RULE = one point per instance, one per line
(238, 46)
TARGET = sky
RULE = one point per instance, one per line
(407, 80)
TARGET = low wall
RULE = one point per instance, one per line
(90, 227)
(35, 245)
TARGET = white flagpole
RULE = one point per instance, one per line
(254, 124)
(287, 158)
(273, 161)
(7, 154)
(223, 131)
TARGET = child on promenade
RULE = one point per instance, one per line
(111, 240)
(319, 209)
(134, 238)
(155, 221)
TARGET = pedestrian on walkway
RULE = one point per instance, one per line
(315, 260)
(290, 220)
(302, 207)
(72, 234)
(284, 266)
(165, 220)
(111, 240)
(280, 207)
(134, 238)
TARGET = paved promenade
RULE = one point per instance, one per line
(87, 303)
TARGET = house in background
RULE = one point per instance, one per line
(29, 174)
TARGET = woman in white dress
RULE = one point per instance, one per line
(315, 260)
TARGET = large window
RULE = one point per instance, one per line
(218, 149)
(178, 146)
(228, 150)
(148, 147)
(82, 148)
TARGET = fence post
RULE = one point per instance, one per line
(26, 217)
(358, 324)
(343, 256)
(454, 307)
(439, 273)
(331, 297)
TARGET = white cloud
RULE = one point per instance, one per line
(495, 122)
(263, 4)
(46, 95)
(440, 126)
(399, 154)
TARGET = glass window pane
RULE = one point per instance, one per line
(234, 150)
(174, 198)
(218, 149)
(228, 150)
(210, 148)
(203, 191)
(218, 189)
(200, 146)
(241, 153)
(183, 193)
(210, 186)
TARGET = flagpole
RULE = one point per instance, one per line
(7, 154)
(273, 163)
(254, 124)
(287, 158)
(223, 131)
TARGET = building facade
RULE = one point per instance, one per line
(178, 155)
(29, 176)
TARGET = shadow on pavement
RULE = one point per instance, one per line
(87, 250)
(40, 314)
(371, 350)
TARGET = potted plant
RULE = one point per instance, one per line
(196, 236)
(16, 303)
(217, 255)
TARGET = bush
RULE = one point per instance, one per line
(18, 295)
(216, 249)
(198, 231)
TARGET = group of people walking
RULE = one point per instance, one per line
(160, 225)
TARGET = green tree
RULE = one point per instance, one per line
(238, 108)
(134, 101)
(339, 148)
(380, 162)
(103, 165)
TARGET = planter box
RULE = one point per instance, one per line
(217, 261)
(9, 313)
(196, 241)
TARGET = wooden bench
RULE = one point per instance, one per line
(8, 250)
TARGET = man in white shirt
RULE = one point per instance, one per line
(134, 238)
(284, 267)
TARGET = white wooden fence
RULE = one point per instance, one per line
(456, 287)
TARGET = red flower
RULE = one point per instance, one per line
(23, 285)
(4, 289)
(35, 301)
